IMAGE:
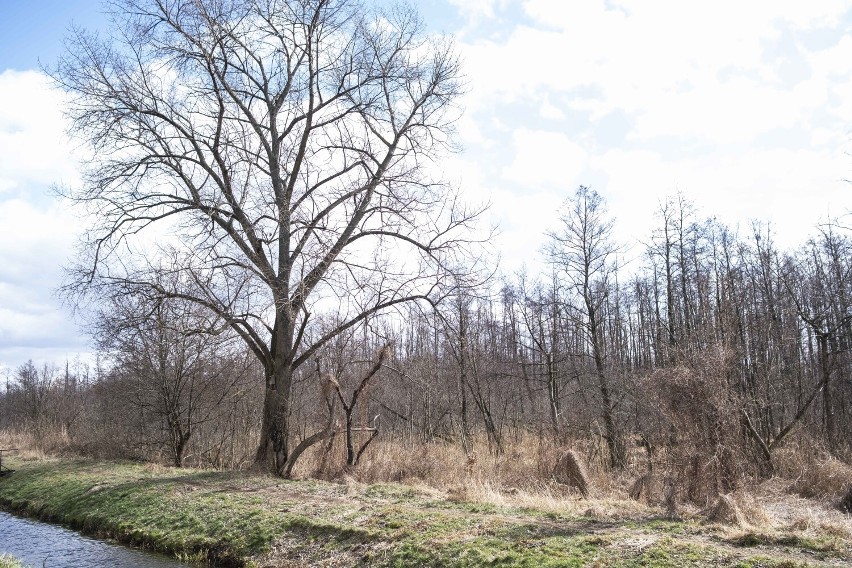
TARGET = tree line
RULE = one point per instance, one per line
(273, 259)
(708, 353)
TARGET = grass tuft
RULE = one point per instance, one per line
(8, 561)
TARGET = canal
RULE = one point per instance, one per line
(40, 545)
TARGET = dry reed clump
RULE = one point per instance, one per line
(671, 500)
(644, 488)
(814, 474)
(571, 472)
(739, 509)
(725, 510)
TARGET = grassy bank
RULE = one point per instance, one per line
(243, 519)
(7, 561)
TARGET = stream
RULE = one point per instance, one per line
(39, 544)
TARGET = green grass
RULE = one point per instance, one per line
(823, 547)
(7, 561)
(242, 519)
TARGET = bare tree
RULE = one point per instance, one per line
(462, 332)
(281, 154)
(819, 290)
(352, 456)
(582, 249)
(177, 362)
(35, 403)
(541, 316)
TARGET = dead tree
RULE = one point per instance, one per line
(353, 455)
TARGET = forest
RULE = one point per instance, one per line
(716, 360)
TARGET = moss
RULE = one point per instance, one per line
(766, 562)
(824, 546)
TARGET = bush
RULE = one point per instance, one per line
(696, 429)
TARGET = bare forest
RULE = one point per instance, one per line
(276, 277)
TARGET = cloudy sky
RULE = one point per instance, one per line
(745, 107)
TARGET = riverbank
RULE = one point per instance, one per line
(235, 518)
(7, 561)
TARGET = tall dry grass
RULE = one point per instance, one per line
(527, 466)
(521, 476)
(524, 475)
(812, 471)
(30, 447)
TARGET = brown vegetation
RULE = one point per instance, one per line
(570, 471)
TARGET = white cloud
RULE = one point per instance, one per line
(36, 232)
(792, 189)
(550, 111)
(478, 9)
(543, 158)
(648, 61)
(746, 108)
(32, 133)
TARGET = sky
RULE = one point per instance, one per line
(743, 107)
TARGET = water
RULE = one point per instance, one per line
(40, 544)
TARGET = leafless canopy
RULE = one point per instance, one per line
(277, 156)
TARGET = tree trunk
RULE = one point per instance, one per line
(825, 371)
(273, 450)
(613, 437)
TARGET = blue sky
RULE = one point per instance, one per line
(31, 31)
(744, 107)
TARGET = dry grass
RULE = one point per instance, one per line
(740, 509)
(526, 465)
(571, 471)
(552, 498)
(522, 476)
(805, 515)
(26, 446)
(801, 500)
(818, 476)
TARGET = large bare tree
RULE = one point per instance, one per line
(277, 155)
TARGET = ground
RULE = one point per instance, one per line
(248, 519)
